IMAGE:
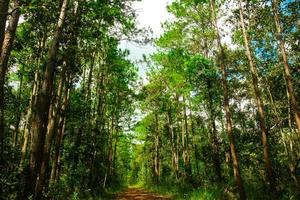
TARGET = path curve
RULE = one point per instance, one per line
(140, 194)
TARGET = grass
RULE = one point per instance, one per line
(188, 192)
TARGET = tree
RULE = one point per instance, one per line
(226, 107)
(287, 73)
(3, 16)
(260, 106)
(40, 115)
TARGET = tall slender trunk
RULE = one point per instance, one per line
(100, 119)
(3, 16)
(186, 130)
(6, 43)
(233, 150)
(115, 145)
(194, 143)
(17, 125)
(214, 137)
(110, 151)
(32, 101)
(60, 150)
(183, 136)
(89, 88)
(101, 116)
(27, 125)
(177, 149)
(290, 154)
(40, 115)
(57, 163)
(157, 151)
(52, 129)
(176, 130)
(287, 72)
(60, 133)
(260, 107)
(171, 133)
(118, 102)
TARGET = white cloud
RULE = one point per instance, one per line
(151, 13)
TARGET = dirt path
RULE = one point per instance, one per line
(139, 194)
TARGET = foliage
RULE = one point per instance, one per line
(103, 130)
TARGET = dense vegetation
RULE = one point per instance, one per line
(218, 116)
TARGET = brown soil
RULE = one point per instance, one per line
(139, 194)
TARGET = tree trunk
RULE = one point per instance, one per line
(100, 119)
(290, 154)
(17, 125)
(117, 130)
(115, 147)
(214, 137)
(89, 93)
(260, 107)
(60, 151)
(157, 151)
(51, 130)
(233, 150)
(40, 115)
(186, 130)
(27, 125)
(6, 42)
(3, 16)
(32, 101)
(183, 137)
(287, 72)
(177, 148)
(171, 133)
(110, 151)
(194, 143)
(60, 133)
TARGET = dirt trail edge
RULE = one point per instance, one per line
(140, 194)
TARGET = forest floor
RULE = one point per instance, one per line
(140, 194)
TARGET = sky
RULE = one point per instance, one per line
(151, 13)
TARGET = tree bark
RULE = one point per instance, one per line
(6, 43)
(28, 120)
(187, 163)
(183, 137)
(51, 130)
(177, 144)
(260, 107)
(171, 133)
(117, 130)
(110, 151)
(3, 16)
(157, 151)
(287, 73)
(214, 137)
(60, 133)
(116, 143)
(194, 143)
(17, 125)
(233, 150)
(40, 115)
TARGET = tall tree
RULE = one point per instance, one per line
(287, 71)
(233, 150)
(3, 13)
(3, 16)
(260, 105)
(40, 115)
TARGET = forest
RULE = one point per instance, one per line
(215, 117)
